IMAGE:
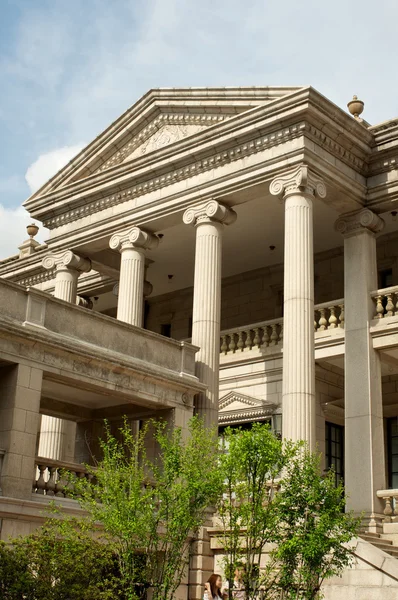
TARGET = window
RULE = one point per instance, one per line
(334, 449)
(385, 278)
(165, 329)
(392, 451)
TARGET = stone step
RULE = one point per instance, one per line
(376, 540)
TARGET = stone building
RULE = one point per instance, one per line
(258, 223)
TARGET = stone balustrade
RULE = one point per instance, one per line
(390, 511)
(329, 315)
(386, 302)
(50, 479)
(257, 335)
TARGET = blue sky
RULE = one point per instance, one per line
(70, 67)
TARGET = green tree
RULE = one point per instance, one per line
(252, 461)
(62, 560)
(313, 529)
(151, 509)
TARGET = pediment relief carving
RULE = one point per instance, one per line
(164, 130)
(234, 401)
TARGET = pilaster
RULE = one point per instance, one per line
(364, 432)
(298, 189)
(209, 219)
(132, 245)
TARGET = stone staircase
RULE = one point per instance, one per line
(381, 543)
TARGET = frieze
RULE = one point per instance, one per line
(230, 155)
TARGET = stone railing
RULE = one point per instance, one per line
(390, 498)
(329, 315)
(386, 302)
(257, 335)
(50, 479)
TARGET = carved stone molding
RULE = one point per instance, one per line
(66, 260)
(352, 223)
(300, 180)
(209, 211)
(35, 279)
(133, 238)
(185, 125)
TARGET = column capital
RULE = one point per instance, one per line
(211, 211)
(301, 180)
(355, 222)
(66, 260)
(133, 238)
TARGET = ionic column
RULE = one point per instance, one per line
(364, 433)
(209, 220)
(298, 189)
(132, 245)
(68, 268)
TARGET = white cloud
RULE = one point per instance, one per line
(49, 164)
(13, 222)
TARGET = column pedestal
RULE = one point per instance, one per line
(298, 189)
(206, 317)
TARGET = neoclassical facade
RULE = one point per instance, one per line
(228, 251)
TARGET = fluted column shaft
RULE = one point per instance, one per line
(298, 189)
(66, 284)
(206, 316)
(132, 245)
(130, 307)
(68, 268)
(364, 448)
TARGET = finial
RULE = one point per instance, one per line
(356, 107)
(32, 230)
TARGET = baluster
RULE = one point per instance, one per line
(389, 306)
(224, 344)
(332, 318)
(41, 482)
(341, 324)
(51, 481)
(388, 510)
(265, 337)
(257, 337)
(274, 335)
(249, 343)
(379, 307)
(60, 486)
(322, 321)
(315, 323)
(396, 303)
(81, 475)
(241, 343)
(232, 343)
(281, 333)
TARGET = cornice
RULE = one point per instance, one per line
(35, 278)
(230, 155)
(243, 416)
(318, 114)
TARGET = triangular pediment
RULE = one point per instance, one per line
(159, 119)
(235, 407)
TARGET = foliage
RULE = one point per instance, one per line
(61, 561)
(151, 508)
(313, 529)
(250, 465)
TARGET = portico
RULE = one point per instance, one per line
(265, 216)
